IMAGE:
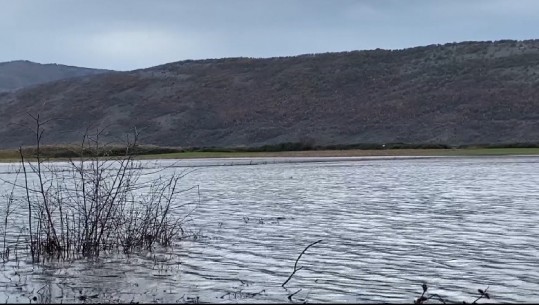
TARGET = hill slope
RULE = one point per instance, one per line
(459, 93)
(21, 73)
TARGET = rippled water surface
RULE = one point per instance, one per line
(387, 226)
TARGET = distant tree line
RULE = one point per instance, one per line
(71, 152)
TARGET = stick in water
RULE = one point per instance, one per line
(296, 269)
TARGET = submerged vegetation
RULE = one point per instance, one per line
(92, 203)
(426, 297)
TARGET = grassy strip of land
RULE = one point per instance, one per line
(9, 155)
(59, 154)
(351, 153)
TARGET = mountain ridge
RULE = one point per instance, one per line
(17, 74)
(456, 93)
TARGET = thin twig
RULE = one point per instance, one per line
(29, 204)
(296, 269)
(481, 296)
(293, 294)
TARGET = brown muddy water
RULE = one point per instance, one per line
(387, 225)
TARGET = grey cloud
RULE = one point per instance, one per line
(129, 34)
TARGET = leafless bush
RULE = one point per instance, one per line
(97, 203)
(7, 214)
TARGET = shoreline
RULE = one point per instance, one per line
(350, 154)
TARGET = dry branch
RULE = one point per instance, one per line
(296, 269)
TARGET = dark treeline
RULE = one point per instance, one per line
(73, 152)
(109, 151)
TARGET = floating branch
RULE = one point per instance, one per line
(296, 269)
(422, 299)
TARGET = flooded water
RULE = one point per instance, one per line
(387, 225)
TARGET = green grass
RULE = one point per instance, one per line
(9, 155)
(13, 156)
(491, 151)
(353, 153)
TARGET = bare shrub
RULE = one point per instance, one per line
(97, 202)
(6, 217)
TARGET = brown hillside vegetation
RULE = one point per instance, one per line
(457, 93)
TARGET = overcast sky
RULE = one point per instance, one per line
(131, 34)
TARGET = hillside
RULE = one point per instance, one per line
(19, 74)
(457, 93)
